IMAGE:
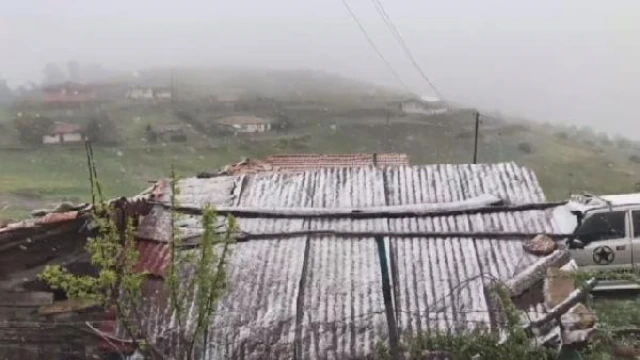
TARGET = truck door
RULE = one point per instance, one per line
(635, 240)
(606, 237)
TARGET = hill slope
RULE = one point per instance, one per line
(564, 161)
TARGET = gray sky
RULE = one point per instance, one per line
(574, 61)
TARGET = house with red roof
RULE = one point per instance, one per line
(68, 93)
(63, 133)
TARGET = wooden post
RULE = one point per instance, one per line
(172, 86)
(475, 143)
(394, 340)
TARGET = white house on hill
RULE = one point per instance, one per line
(246, 123)
(424, 105)
(148, 93)
(63, 133)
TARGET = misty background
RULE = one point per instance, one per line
(563, 61)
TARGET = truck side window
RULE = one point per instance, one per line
(636, 223)
(602, 226)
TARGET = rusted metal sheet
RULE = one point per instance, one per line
(54, 218)
(153, 257)
(49, 219)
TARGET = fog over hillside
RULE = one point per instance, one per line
(570, 61)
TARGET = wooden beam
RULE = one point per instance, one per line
(506, 236)
(573, 299)
(25, 299)
(486, 206)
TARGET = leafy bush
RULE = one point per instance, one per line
(102, 130)
(32, 129)
(525, 147)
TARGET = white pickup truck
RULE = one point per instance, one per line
(607, 236)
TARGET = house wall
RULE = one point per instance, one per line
(251, 128)
(73, 137)
(140, 93)
(51, 139)
(416, 108)
(62, 138)
(26, 334)
(163, 95)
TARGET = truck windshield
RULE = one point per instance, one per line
(602, 226)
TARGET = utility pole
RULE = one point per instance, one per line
(394, 338)
(172, 87)
(475, 143)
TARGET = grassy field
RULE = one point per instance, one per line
(43, 176)
(346, 117)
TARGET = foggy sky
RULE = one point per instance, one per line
(574, 61)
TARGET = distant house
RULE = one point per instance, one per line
(109, 92)
(226, 98)
(148, 93)
(63, 133)
(167, 133)
(68, 92)
(224, 101)
(140, 92)
(162, 93)
(423, 106)
(245, 123)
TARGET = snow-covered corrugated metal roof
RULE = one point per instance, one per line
(321, 294)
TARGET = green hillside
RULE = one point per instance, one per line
(565, 160)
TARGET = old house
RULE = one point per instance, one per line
(140, 92)
(63, 133)
(329, 261)
(33, 319)
(37, 322)
(245, 124)
(166, 133)
(67, 93)
(423, 106)
(162, 93)
(109, 91)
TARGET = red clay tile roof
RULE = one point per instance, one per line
(66, 128)
(312, 161)
(301, 162)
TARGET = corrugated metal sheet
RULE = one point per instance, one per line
(324, 294)
(49, 219)
(153, 256)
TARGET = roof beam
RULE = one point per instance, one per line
(478, 205)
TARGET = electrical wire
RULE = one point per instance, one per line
(373, 45)
(396, 34)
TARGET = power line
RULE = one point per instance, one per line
(373, 45)
(396, 34)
